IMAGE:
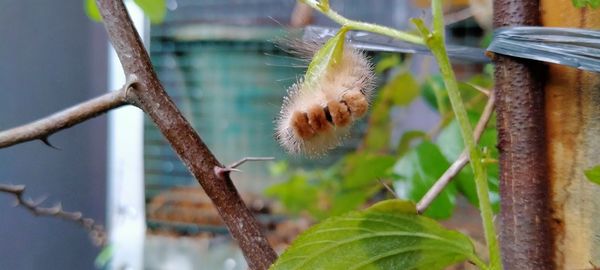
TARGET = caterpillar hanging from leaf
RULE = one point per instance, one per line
(320, 108)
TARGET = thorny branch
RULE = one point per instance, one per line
(43, 128)
(96, 231)
(461, 162)
(149, 95)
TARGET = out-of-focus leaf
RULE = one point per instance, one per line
(451, 144)
(403, 89)
(593, 174)
(154, 9)
(91, 10)
(104, 256)
(364, 168)
(406, 140)
(584, 3)
(328, 55)
(417, 171)
(428, 92)
(278, 168)
(388, 235)
(296, 194)
(389, 61)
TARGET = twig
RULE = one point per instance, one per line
(388, 188)
(96, 231)
(233, 167)
(150, 96)
(43, 128)
(460, 163)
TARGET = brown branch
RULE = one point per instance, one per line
(460, 163)
(150, 96)
(43, 128)
(96, 231)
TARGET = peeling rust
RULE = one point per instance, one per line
(526, 237)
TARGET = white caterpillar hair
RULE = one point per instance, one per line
(317, 115)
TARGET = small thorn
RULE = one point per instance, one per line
(47, 142)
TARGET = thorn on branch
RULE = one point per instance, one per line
(221, 171)
(47, 142)
(96, 231)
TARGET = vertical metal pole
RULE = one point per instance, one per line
(525, 236)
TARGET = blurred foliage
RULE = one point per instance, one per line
(412, 164)
(593, 174)
(154, 9)
(585, 3)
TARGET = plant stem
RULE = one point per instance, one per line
(435, 41)
(363, 26)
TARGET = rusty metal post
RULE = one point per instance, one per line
(526, 237)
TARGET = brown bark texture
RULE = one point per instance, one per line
(526, 237)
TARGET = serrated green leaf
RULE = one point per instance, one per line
(328, 55)
(364, 168)
(593, 174)
(388, 235)
(154, 9)
(416, 172)
(91, 10)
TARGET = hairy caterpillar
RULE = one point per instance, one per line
(320, 108)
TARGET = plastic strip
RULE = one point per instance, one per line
(579, 48)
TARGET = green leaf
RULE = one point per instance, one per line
(364, 168)
(584, 3)
(407, 139)
(593, 174)
(296, 194)
(434, 93)
(154, 9)
(451, 145)
(330, 54)
(387, 62)
(91, 10)
(104, 256)
(417, 171)
(388, 235)
(403, 89)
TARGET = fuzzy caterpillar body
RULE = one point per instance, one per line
(317, 114)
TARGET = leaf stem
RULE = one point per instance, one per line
(363, 26)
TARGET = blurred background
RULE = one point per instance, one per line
(218, 61)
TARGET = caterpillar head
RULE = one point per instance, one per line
(319, 109)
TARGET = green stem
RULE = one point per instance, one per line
(479, 263)
(435, 41)
(363, 26)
